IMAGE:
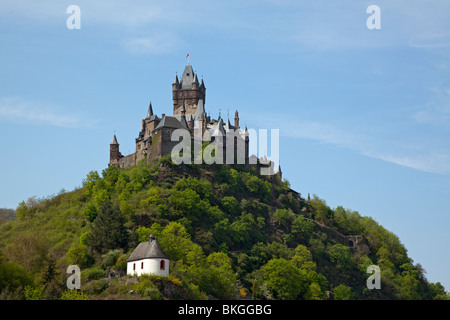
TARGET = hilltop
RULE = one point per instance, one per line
(229, 233)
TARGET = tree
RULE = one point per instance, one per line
(108, 231)
(30, 251)
(78, 254)
(301, 228)
(303, 258)
(341, 255)
(231, 205)
(438, 291)
(90, 212)
(175, 241)
(284, 279)
(49, 273)
(220, 277)
(323, 212)
(89, 182)
(342, 292)
(282, 217)
(13, 276)
(315, 292)
(185, 202)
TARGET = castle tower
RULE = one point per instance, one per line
(236, 119)
(189, 90)
(114, 154)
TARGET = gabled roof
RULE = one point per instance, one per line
(219, 129)
(147, 250)
(170, 122)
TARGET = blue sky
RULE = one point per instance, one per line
(364, 115)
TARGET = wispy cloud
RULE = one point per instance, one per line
(22, 111)
(313, 24)
(154, 44)
(437, 111)
(424, 154)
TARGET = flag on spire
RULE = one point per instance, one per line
(187, 57)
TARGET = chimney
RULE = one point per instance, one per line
(151, 238)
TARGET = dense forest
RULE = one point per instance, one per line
(229, 233)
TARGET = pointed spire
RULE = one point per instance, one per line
(228, 124)
(200, 108)
(195, 78)
(176, 79)
(187, 78)
(220, 126)
(114, 140)
(150, 111)
(202, 84)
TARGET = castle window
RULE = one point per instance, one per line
(162, 265)
(134, 266)
(142, 265)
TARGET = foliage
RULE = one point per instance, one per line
(342, 292)
(284, 279)
(74, 295)
(108, 230)
(228, 231)
(90, 212)
(13, 276)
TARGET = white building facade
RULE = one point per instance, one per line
(148, 258)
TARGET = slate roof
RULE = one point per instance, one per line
(200, 109)
(170, 122)
(187, 78)
(114, 140)
(147, 250)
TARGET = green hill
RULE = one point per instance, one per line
(229, 234)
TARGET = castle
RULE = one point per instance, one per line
(155, 138)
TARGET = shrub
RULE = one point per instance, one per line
(74, 295)
(342, 292)
(90, 274)
(90, 212)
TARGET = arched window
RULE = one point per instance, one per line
(162, 265)
(142, 265)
